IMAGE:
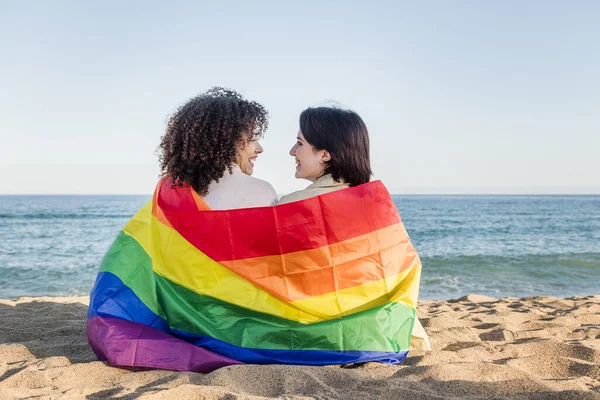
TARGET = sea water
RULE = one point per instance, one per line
(493, 245)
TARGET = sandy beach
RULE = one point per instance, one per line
(535, 347)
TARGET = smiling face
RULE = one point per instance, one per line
(247, 155)
(310, 162)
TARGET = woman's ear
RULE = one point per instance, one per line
(325, 157)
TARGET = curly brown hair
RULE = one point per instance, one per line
(204, 135)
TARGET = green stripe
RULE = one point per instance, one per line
(128, 260)
(386, 328)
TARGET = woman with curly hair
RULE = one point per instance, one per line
(211, 144)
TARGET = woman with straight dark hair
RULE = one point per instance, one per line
(331, 151)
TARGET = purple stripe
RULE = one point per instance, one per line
(129, 344)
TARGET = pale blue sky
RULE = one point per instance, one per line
(458, 96)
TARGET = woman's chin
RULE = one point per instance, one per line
(247, 169)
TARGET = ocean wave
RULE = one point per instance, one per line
(64, 216)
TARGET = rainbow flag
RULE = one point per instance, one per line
(333, 279)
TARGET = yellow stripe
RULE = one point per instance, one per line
(194, 270)
(361, 298)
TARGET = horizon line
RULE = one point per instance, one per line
(283, 194)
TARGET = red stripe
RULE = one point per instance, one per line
(226, 235)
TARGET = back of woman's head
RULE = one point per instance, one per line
(203, 137)
(344, 135)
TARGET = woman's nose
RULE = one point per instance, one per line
(293, 151)
(259, 148)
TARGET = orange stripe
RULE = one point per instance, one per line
(200, 203)
(158, 213)
(354, 262)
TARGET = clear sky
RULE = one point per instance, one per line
(458, 96)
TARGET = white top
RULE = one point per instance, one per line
(238, 190)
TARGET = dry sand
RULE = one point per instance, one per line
(536, 347)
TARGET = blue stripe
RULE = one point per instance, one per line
(111, 298)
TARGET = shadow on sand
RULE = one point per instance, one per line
(47, 329)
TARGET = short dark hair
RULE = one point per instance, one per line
(344, 135)
(203, 137)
